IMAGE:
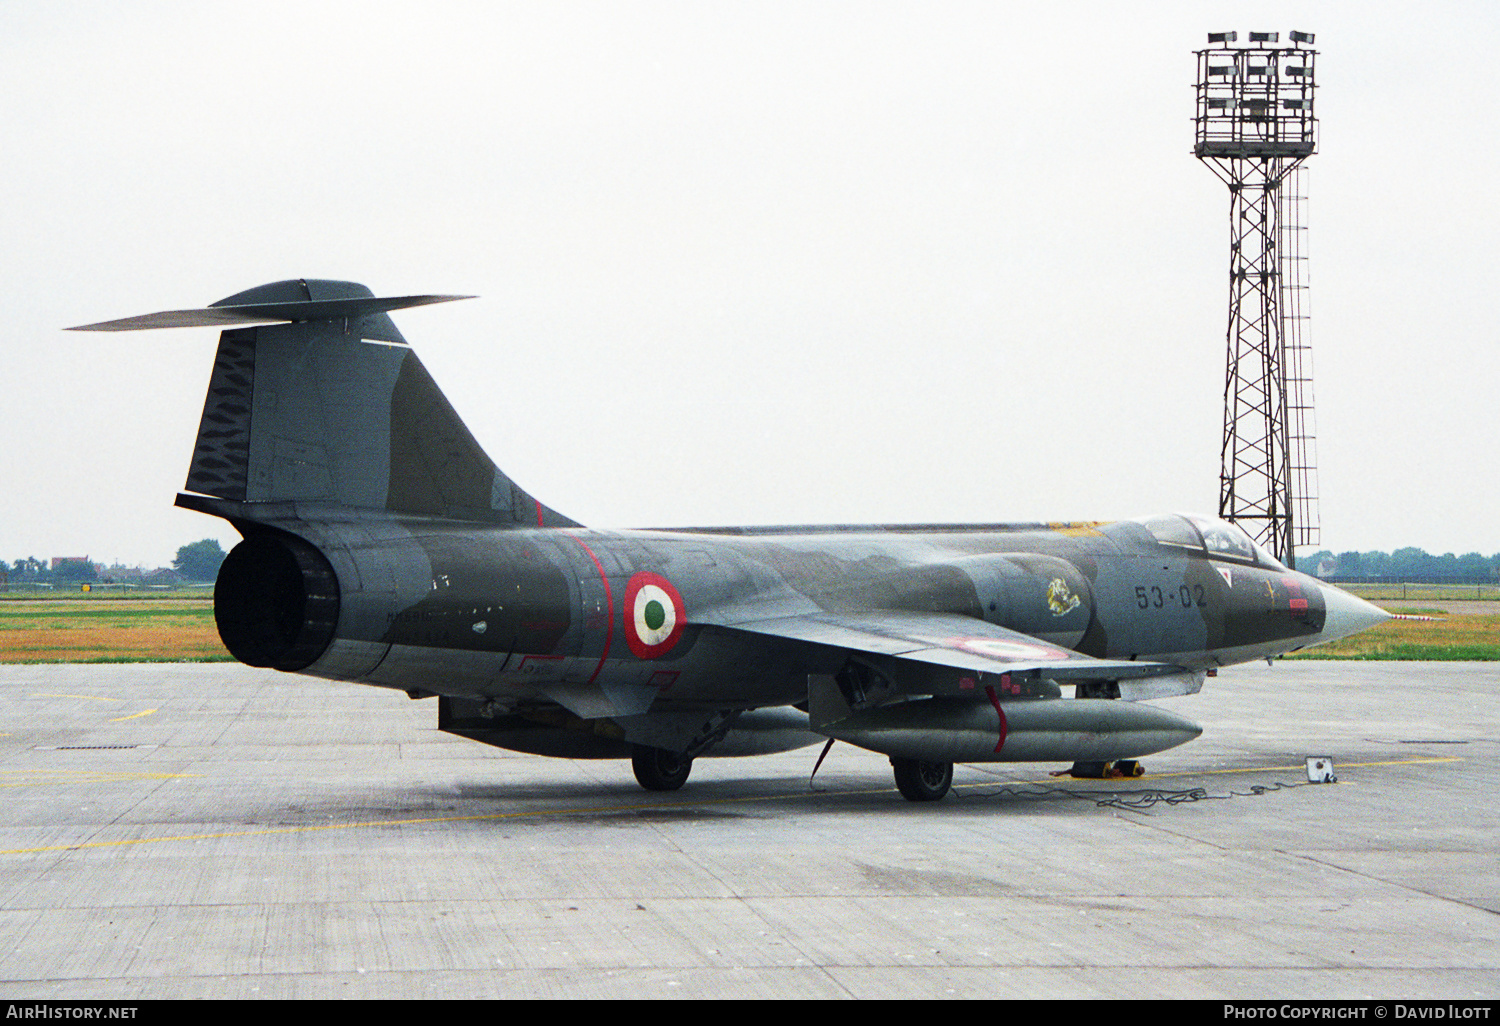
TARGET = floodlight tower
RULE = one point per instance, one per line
(1254, 128)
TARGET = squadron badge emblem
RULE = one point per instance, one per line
(1059, 599)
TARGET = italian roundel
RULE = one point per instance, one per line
(654, 615)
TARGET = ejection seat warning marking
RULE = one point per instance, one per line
(594, 811)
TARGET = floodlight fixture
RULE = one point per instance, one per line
(1302, 37)
(1254, 127)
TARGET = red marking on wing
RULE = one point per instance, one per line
(1002, 648)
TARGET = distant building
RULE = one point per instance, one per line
(123, 574)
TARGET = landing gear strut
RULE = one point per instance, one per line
(657, 769)
(922, 781)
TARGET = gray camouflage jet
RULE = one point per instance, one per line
(382, 546)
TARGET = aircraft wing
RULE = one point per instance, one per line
(951, 653)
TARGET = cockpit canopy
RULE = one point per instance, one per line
(1217, 538)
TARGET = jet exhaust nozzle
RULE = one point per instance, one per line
(276, 601)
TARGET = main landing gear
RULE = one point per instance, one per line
(920, 781)
(657, 769)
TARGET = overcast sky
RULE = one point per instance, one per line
(748, 263)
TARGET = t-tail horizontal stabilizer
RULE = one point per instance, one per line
(302, 408)
(225, 313)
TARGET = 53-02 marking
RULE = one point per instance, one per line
(1150, 596)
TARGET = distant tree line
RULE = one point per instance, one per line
(198, 561)
(1408, 564)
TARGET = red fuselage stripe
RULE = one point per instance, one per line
(609, 599)
(539, 524)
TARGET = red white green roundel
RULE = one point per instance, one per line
(654, 615)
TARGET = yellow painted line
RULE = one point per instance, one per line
(531, 814)
(1301, 767)
(603, 809)
(65, 773)
(132, 716)
(44, 777)
(91, 698)
(26, 777)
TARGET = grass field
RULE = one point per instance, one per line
(178, 626)
(1424, 592)
(1454, 637)
(78, 628)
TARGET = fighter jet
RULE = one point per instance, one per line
(383, 546)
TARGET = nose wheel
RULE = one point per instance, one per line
(657, 769)
(920, 781)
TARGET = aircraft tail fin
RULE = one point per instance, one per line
(332, 405)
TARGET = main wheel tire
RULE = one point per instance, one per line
(920, 781)
(657, 769)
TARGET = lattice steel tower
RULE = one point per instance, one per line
(1254, 128)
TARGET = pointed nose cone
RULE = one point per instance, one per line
(1347, 614)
